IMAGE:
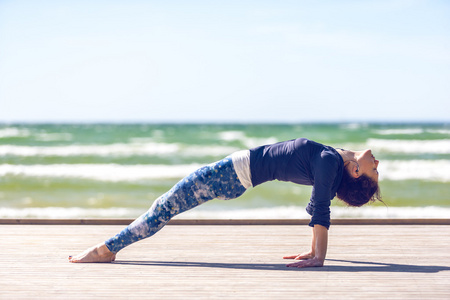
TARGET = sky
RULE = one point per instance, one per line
(224, 61)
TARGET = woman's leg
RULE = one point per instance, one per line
(217, 180)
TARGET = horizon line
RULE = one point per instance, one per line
(221, 122)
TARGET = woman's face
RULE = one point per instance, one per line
(367, 164)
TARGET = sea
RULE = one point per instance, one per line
(117, 170)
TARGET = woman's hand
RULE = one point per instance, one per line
(304, 255)
(312, 262)
(316, 256)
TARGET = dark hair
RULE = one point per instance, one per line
(358, 191)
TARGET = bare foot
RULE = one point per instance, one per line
(96, 254)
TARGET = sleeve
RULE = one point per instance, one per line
(319, 206)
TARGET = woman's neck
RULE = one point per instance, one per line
(347, 155)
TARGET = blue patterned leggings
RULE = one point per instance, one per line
(217, 180)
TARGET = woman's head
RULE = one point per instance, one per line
(364, 163)
(359, 183)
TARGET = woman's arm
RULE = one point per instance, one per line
(315, 257)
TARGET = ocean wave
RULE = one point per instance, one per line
(13, 132)
(428, 170)
(249, 142)
(337, 212)
(406, 131)
(439, 131)
(441, 146)
(279, 212)
(49, 137)
(68, 212)
(100, 172)
(410, 131)
(381, 212)
(201, 151)
(10, 132)
(141, 140)
(352, 126)
(118, 149)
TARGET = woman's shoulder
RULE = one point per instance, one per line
(328, 161)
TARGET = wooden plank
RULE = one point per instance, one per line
(227, 262)
(227, 221)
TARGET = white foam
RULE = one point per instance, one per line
(249, 142)
(69, 212)
(40, 136)
(14, 132)
(141, 140)
(337, 212)
(200, 151)
(429, 170)
(280, 212)
(352, 126)
(124, 150)
(47, 137)
(382, 212)
(99, 150)
(232, 135)
(441, 146)
(439, 131)
(100, 172)
(406, 131)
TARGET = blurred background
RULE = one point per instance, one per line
(104, 105)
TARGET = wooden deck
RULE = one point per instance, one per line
(227, 262)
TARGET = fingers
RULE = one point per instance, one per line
(290, 257)
(297, 257)
(292, 265)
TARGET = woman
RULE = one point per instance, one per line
(351, 175)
